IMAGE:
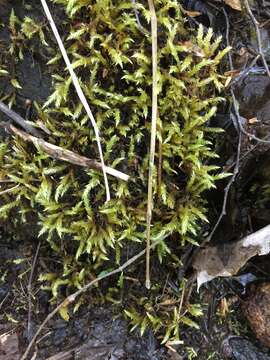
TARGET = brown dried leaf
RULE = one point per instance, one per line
(227, 259)
(253, 120)
(232, 73)
(235, 4)
(192, 48)
(192, 13)
(223, 307)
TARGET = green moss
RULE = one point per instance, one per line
(112, 57)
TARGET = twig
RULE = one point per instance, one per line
(241, 130)
(18, 120)
(244, 72)
(258, 34)
(71, 298)
(78, 90)
(3, 301)
(239, 123)
(29, 289)
(140, 27)
(181, 300)
(153, 139)
(251, 136)
(60, 153)
(9, 190)
(228, 186)
(160, 160)
(237, 161)
(5, 181)
(247, 153)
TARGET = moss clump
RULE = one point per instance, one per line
(112, 56)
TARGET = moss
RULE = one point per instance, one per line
(112, 56)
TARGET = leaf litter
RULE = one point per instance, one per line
(226, 260)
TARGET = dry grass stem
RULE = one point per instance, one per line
(78, 90)
(152, 141)
(258, 35)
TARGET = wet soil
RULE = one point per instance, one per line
(96, 330)
(31, 71)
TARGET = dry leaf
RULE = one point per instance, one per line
(253, 120)
(192, 13)
(224, 307)
(232, 73)
(228, 81)
(190, 47)
(235, 4)
(227, 259)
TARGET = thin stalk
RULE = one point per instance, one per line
(78, 90)
(152, 141)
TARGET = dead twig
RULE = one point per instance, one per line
(251, 136)
(29, 289)
(3, 301)
(237, 161)
(258, 35)
(71, 298)
(19, 120)
(78, 90)
(160, 161)
(6, 181)
(241, 131)
(9, 190)
(60, 153)
(239, 123)
(140, 27)
(246, 154)
(153, 139)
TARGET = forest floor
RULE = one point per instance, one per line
(98, 332)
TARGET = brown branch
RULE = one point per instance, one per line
(241, 130)
(60, 153)
(19, 120)
(258, 35)
(251, 136)
(237, 161)
(153, 139)
(71, 298)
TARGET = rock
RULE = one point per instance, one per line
(238, 348)
(9, 346)
(60, 336)
(257, 311)
(253, 96)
